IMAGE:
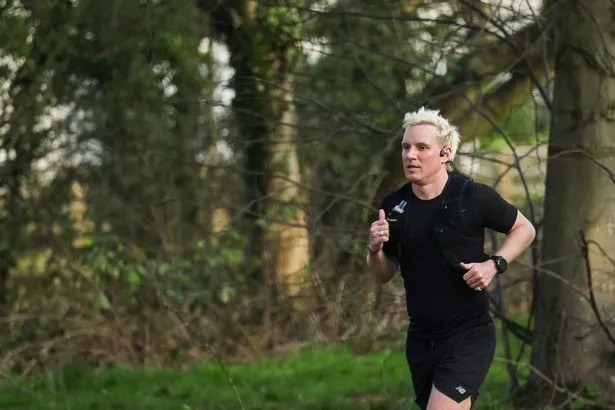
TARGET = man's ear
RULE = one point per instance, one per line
(446, 153)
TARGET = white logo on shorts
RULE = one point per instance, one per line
(460, 389)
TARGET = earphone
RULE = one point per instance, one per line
(442, 152)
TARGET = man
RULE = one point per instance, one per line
(433, 229)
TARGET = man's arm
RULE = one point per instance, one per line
(381, 266)
(518, 238)
(379, 263)
(501, 216)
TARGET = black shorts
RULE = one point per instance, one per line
(456, 365)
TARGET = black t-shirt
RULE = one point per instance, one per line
(438, 300)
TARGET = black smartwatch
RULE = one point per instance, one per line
(500, 263)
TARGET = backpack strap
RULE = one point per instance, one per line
(454, 192)
(397, 217)
(456, 241)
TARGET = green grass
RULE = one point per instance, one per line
(307, 380)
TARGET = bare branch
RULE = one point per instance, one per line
(590, 286)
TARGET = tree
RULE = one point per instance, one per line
(26, 69)
(261, 38)
(130, 87)
(574, 327)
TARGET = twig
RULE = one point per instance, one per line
(188, 330)
(555, 386)
(592, 296)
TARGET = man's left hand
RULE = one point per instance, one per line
(479, 275)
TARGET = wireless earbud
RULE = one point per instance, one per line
(442, 152)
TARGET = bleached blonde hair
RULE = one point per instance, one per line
(447, 133)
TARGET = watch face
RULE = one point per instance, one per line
(501, 263)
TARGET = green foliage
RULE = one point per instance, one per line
(523, 126)
(13, 32)
(209, 275)
(127, 75)
(282, 28)
(284, 20)
(266, 52)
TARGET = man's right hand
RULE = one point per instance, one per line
(378, 233)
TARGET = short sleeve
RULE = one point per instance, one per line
(493, 211)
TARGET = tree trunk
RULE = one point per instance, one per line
(265, 59)
(572, 347)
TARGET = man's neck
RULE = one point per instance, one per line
(432, 188)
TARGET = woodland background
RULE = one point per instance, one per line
(193, 181)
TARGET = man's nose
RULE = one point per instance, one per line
(411, 153)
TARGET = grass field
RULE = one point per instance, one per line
(315, 378)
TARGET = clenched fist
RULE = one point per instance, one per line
(378, 233)
(479, 275)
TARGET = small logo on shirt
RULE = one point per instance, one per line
(400, 207)
(460, 389)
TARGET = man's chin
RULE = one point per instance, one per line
(413, 176)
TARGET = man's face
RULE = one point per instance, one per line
(420, 152)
